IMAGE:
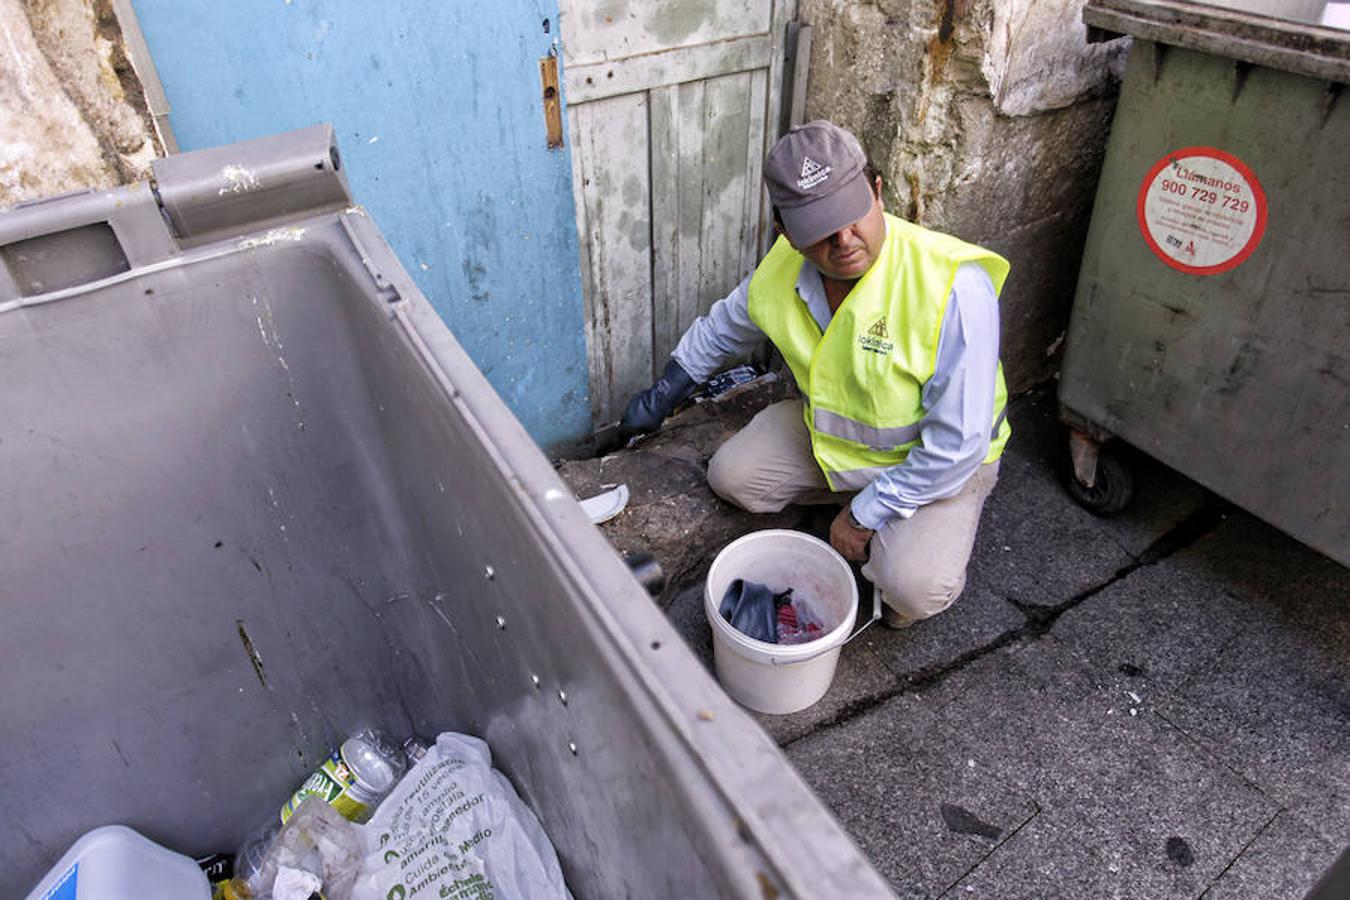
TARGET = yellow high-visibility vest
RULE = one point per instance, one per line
(863, 378)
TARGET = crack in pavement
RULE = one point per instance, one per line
(994, 849)
(1192, 528)
(1260, 831)
(1214, 758)
(1040, 619)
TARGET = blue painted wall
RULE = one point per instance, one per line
(437, 109)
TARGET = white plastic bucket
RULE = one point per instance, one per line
(781, 678)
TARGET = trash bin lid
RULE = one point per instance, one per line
(1285, 35)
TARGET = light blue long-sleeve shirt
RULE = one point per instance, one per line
(958, 400)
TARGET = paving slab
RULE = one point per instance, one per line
(1153, 629)
(978, 619)
(1282, 863)
(1262, 713)
(921, 814)
(861, 679)
(1131, 787)
(1039, 547)
(1275, 704)
(1281, 580)
(1042, 860)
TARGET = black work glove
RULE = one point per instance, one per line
(649, 408)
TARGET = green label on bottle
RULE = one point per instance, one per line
(332, 782)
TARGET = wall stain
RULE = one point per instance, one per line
(482, 242)
(678, 21)
(940, 48)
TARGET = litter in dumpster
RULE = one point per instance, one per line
(414, 748)
(218, 867)
(116, 863)
(295, 884)
(317, 847)
(247, 863)
(355, 777)
(455, 827)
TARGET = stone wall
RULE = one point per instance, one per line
(72, 111)
(988, 119)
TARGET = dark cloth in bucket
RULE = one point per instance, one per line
(752, 609)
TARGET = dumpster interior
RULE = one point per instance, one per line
(255, 547)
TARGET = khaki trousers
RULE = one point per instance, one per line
(918, 563)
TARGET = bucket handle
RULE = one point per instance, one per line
(876, 616)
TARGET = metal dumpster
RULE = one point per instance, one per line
(255, 496)
(1211, 323)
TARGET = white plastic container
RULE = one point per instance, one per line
(116, 863)
(781, 678)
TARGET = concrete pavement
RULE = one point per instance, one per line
(1155, 705)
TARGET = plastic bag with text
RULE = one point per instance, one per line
(454, 827)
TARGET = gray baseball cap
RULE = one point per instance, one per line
(815, 178)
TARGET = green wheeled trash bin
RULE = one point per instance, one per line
(1211, 323)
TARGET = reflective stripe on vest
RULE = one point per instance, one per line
(863, 377)
(861, 433)
(839, 426)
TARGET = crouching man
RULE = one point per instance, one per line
(891, 332)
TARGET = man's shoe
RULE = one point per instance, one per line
(892, 619)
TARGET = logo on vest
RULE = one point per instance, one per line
(877, 339)
(813, 173)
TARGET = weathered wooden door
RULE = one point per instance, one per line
(671, 108)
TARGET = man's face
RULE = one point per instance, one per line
(847, 254)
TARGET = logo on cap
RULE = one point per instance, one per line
(813, 173)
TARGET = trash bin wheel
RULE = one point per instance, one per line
(1112, 490)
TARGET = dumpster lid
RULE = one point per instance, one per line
(1280, 39)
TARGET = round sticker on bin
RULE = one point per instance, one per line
(1201, 210)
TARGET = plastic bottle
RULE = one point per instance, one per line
(247, 864)
(356, 777)
(414, 748)
(116, 863)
